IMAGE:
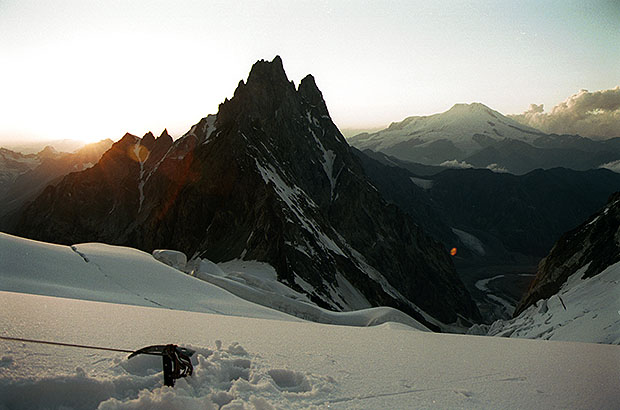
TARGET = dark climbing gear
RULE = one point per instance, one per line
(176, 361)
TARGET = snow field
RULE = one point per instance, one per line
(252, 357)
(249, 363)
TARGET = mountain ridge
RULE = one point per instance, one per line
(268, 178)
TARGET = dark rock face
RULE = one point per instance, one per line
(526, 214)
(595, 243)
(270, 178)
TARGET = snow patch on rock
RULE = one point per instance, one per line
(469, 240)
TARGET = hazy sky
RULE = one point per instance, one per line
(96, 69)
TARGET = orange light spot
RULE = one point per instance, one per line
(453, 251)
(139, 153)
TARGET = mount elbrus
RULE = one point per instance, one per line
(269, 178)
(475, 135)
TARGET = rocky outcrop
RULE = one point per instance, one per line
(269, 178)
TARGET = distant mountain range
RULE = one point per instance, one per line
(35, 146)
(476, 136)
(269, 178)
(24, 176)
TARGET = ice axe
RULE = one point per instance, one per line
(176, 360)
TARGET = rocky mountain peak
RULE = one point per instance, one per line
(165, 135)
(311, 94)
(127, 140)
(148, 140)
(47, 152)
(267, 90)
(271, 179)
(267, 72)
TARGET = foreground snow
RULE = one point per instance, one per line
(250, 356)
(263, 364)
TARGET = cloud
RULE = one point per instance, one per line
(456, 164)
(589, 114)
(612, 166)
(497, 168)
(453, 163)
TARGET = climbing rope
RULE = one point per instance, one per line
(176, 360)
(46, 342)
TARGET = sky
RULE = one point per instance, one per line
(96, 69)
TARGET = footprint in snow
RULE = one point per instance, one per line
(290, 381)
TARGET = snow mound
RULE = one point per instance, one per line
(583, 311)
(123, 275)
(176, 259)
(115, 274)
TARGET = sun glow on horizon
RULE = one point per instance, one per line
(86, 70)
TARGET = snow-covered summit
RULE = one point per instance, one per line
(460, 131)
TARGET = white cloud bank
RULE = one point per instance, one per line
(612, 166)
(589, 114)
(464, 165)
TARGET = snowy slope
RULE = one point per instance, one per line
(245, 363)
(583, 310)
(123, 275)
(257, 282)
(112, 274)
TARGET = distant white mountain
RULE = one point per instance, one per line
(474, 135)
(466, 128)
